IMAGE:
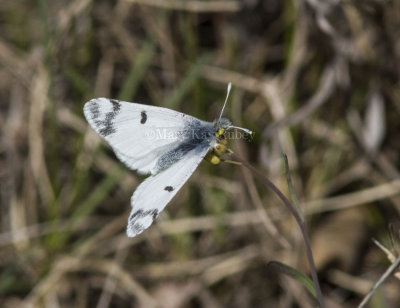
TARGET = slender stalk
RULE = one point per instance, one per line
(291, 189)
(298, 220)
(385, 275)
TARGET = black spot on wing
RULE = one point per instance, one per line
(169, 188)
(106, 127)
(94, 109)
(144, 117)
(136, 218)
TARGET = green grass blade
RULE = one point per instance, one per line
(184, 86)
(292, 192)
(137, 70)
(295, 274)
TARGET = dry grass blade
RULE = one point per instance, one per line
(326, 87)
(66, 265)
(39, 101)
(210, 269)
(361, 197)
(192, 5)
(110, 284)
(225, 76)
(230, 266)
(15, 64)
(72, 11)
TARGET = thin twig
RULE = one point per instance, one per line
(385, 275)
(298, 220)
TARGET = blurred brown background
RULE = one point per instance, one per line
(318, 80)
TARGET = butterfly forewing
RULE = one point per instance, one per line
(138, 133)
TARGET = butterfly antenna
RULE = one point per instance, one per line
(226, 99)
(248, 131)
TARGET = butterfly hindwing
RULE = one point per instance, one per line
(151, 196)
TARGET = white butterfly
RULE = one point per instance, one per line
(165, 143)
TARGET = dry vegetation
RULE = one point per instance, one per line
(318, 80)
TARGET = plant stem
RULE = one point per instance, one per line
(298, 220)
(385, 275)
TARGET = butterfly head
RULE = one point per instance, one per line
(220, 146)
(222, 125)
